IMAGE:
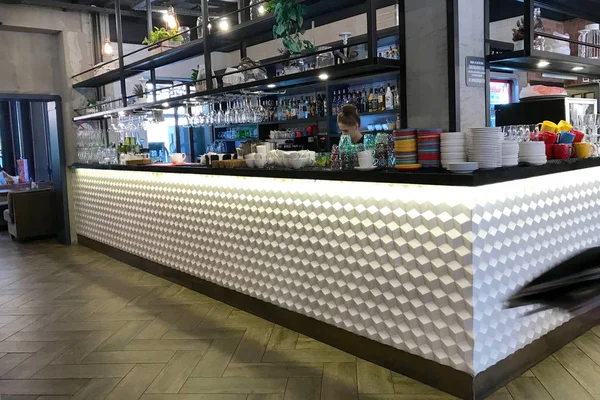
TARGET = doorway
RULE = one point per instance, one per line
(31, 129)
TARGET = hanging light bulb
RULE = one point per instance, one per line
(261, 10)
(170, 19)
(107, 49)
(224, 24)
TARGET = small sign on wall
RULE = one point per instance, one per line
(475, 70)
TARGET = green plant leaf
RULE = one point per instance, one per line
(279, 29)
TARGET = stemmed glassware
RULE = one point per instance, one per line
(228, 110)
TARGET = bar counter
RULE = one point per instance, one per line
(408, 270)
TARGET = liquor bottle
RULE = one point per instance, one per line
(313, 107)
(380, 99)
(324, 106)
(318, 105)
(358, 102)
(334, 104)
(365, 101)
(396, 98)
(389, 98)
(304, 105)
(344, 100)
(372, 101)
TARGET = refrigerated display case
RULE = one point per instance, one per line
(551, 109)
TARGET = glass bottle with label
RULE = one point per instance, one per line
(372, 101)
(389, 98)
(380, 99)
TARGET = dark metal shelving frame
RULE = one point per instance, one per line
(239, 37)
(501, 57)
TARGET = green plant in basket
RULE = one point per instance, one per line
(138, 90)
(289, 18)
(159, 34)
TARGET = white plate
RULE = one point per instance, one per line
(371, 168)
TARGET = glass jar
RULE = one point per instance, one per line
(325, 59)
(593, 37)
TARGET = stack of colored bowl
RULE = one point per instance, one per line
(429, 147)
(405, 147)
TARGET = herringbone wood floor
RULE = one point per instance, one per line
(75, 324)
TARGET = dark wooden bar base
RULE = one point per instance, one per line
(445, 378)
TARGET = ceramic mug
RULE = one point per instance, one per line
(549, 137)
(578, 136)
(584, 150)
(563, 126)
(562, 151)
(548, 126)
(550, 151)
(566, 138)
(178, 158)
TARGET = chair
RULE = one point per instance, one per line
(31, 213)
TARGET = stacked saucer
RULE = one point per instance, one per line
(405, 147)
(533, 153)
(484, 146)
(510, 153)
(452, 148)
(429, 147)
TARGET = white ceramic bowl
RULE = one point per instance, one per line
(296, 164)
(260, 163)
(250, 163)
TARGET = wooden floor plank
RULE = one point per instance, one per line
(528, 388)
(558, 382)
(339, 381)
(133, 386)
(176, 372)
(581, 367)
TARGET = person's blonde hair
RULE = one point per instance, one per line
(349, 116)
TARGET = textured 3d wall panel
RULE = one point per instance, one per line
(524, 228)
(389, 262)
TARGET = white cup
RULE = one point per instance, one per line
(250, 156)
(261, 149)
(259, 162)
(293, 155)
(178, 158)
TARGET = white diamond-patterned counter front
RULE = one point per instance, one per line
(389, 262)
(425, 269)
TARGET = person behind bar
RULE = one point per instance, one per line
(349, 123)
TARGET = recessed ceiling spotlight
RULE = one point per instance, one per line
(543, 63)
(323, 77)
(271, 85)
(165, 104)
(577, 69)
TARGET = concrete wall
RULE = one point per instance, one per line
(29, 63)
(471, 43)
(427, 60)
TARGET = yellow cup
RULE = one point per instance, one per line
(563, 126)
(548, 126)
(584, 150)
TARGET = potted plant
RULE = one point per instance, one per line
(519, 35)
(159, 34)
(140, 94)
(91, 106)
(289, 21)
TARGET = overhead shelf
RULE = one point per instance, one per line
(530, 60)
(335, 72)
(253, 32)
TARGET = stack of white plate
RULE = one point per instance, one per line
(510, 153)
(452, 148)
(533, 153)
(484, 146)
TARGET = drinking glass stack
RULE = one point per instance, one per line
(484, 145)
(405, 147)
(453, 146)
(429, 147)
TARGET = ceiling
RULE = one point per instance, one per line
(134, 12)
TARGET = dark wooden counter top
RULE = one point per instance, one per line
(420, 177)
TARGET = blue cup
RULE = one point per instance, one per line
(566, 138)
